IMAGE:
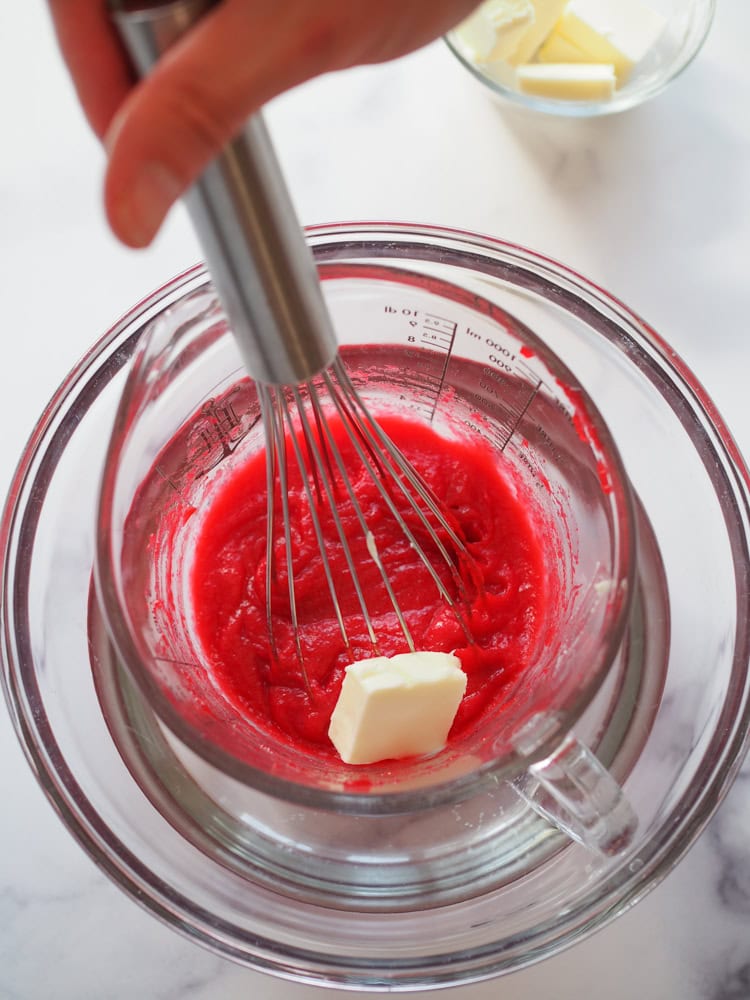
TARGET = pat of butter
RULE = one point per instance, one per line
(495, 29)
(559, 50)
(567, 81)
(619, 32)
(546, 15)
(396, 706)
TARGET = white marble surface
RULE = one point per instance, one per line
(653, 205)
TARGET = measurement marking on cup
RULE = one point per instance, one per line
(438, 334)
(421, 381)
(520, 415)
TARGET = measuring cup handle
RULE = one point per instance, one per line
(574, 792)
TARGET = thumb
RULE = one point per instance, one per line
(197, 98)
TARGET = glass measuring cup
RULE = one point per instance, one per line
(424, 347)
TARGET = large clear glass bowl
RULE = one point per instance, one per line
(674, 738)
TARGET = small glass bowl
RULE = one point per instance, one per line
(688, 24)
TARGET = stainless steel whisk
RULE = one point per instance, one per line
(321, 465)
(267, 283)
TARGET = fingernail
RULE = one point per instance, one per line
(139, 213)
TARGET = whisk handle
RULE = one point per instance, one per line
(243, 215)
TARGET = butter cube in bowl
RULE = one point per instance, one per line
(580, 57)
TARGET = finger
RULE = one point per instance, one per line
(99, 67)
(240, 56)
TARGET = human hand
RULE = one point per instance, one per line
(161, 132)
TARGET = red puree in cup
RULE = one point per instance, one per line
(503, 604)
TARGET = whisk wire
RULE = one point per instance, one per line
(271, 471)
(320, 422)
(275, 414)
(372, 429)
(326, 480)
(392, 452)
(305, 480)
(371, 547)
